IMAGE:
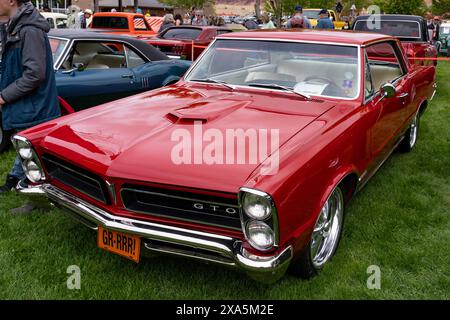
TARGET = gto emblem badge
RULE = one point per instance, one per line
(214, 208)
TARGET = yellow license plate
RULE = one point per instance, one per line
(123, 244)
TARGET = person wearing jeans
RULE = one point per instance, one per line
(28, 94)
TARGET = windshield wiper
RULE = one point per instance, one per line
(209, 80)
(278, 86)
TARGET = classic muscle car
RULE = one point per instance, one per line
(177, 42)
(92, 69)
(410, 30)
(248, 161)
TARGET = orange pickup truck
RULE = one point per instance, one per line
(134, 24)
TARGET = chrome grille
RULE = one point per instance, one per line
(220, 211)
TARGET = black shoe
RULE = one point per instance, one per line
(9, 185)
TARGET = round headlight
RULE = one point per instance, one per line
(257, 207)
(260, 235)
(24, 150)
(26, 153)
(33, 171)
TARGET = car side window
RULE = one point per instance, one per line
(51, 23)
(139, 24)
(368, 84)
(384, 64)
(96, 55)
(133, 58)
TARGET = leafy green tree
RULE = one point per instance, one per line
(441, 6)
(416, 7)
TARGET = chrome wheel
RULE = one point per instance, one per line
(413, 132)
(327, 230)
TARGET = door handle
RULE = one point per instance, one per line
(403, 95)
(130, 76)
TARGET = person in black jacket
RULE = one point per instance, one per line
(28, 93)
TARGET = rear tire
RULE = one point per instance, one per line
(411, 135)
(324, 239)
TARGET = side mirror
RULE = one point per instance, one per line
(388, 90)
(78, 66)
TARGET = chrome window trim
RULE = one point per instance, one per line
(56, 64)
(72, 41)
(394, 81)
(357, 46)
(393, 20)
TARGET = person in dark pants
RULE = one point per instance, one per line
(324, 21)
(28, 93)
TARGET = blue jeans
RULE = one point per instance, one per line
(17, 170)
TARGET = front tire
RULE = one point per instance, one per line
(324, 239)
(411, 135)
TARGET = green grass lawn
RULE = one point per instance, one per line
(400, 222)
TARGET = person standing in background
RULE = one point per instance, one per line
(178, 20)
(298, 20)
(324, 21)
(267, 23)
(28, 93)
(86, 19)
(199, 19)
(168, 21)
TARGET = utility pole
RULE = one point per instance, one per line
(258, 9)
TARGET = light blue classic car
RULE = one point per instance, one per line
(92, 68)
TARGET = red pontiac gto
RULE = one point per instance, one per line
(248, 161)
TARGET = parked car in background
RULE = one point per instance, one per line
(93, 68)
(125, 23)
(336, 104)
(177, 42)
(410, 30)
(55, 20)
(313, 17)
(444, 32)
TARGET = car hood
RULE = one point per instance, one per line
(136, 138)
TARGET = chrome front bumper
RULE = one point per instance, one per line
(173, 240)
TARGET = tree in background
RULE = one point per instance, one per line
(416, 7)
(441, 6)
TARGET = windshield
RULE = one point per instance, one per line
(445, 30)
(309, 69)
(57, 46)
(401, 29)
(311, 14)
(181, 33)
(110, 22)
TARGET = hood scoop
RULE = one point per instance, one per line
(204, 111)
